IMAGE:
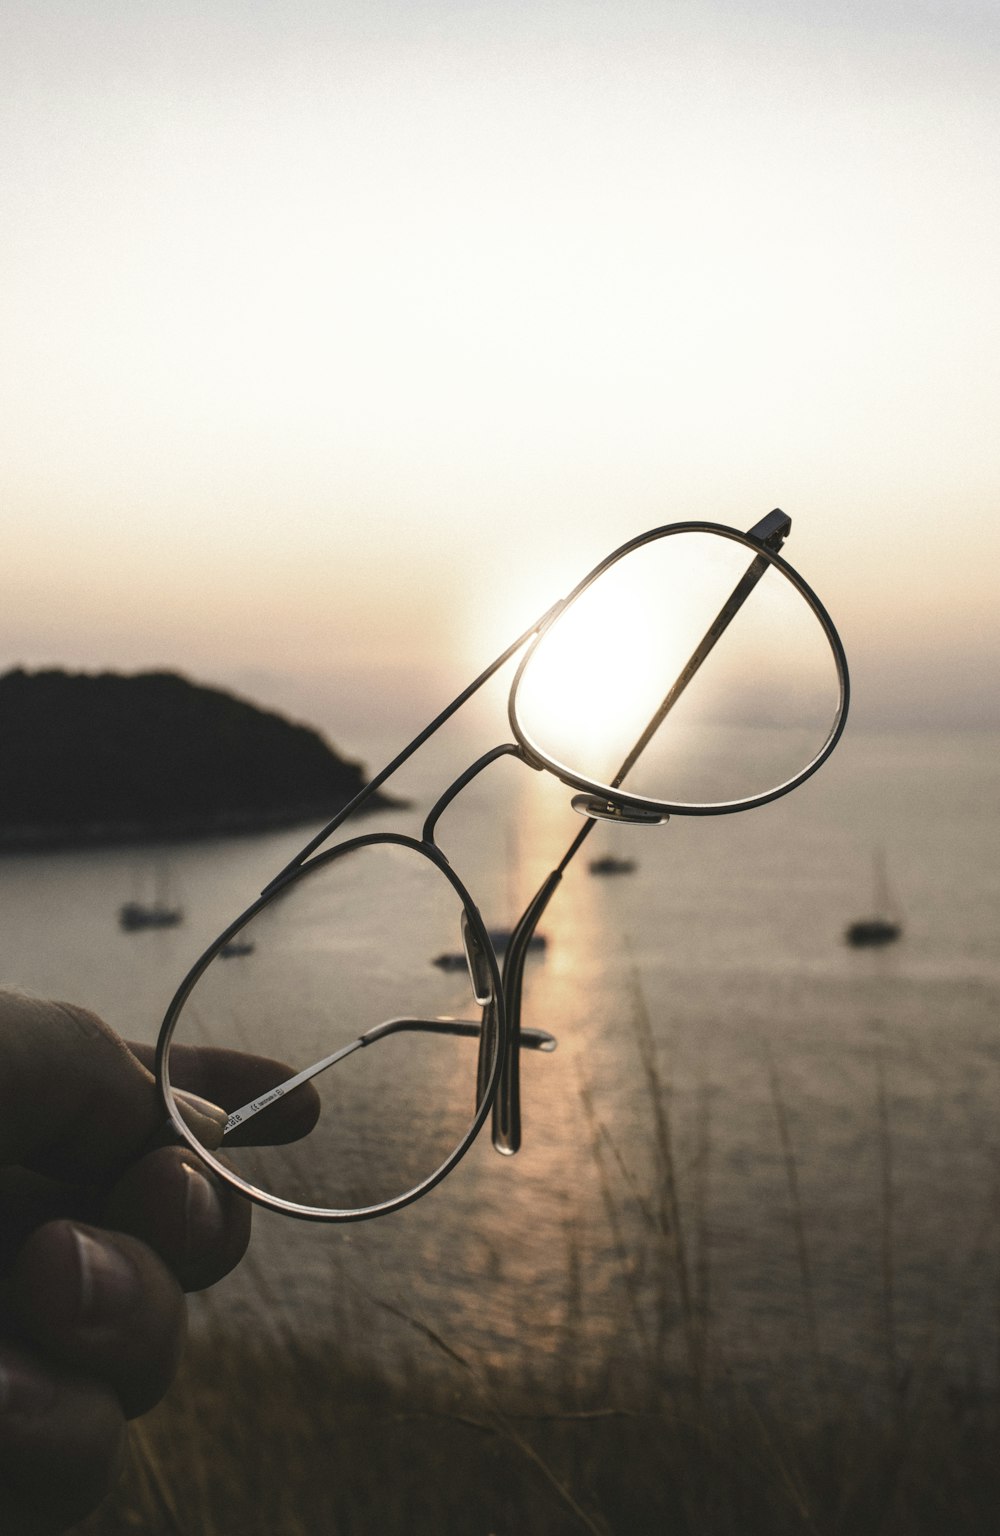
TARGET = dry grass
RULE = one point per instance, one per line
(275, 1438)
(250, 1444)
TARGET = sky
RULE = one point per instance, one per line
(341, 338)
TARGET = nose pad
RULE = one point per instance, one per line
(479, 970)
(604, 809)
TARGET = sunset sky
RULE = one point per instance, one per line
(350, 334)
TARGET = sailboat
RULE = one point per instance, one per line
(611, 864)
(885, 927)
(236, 948)
(455, 960)
(161, 912)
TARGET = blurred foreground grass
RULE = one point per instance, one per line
(254, 1443)
(273, 1434)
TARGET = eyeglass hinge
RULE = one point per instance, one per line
(772, 530)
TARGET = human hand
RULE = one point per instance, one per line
(103, 1226)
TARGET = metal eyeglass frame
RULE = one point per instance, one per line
(498, 989)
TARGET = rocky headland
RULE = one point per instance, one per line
(92, 758)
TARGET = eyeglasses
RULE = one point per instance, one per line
(692, 672)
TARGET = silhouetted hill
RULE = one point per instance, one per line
(108, 758)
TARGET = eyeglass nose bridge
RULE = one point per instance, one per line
(506, 1104)
(508, 749)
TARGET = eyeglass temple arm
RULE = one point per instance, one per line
(771, 531)
(530, 1039)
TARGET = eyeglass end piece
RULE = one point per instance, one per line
(772, 530)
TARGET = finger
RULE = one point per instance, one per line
(61, 1444)
(232, 1079)
(102, 1304)
(28, 1200)
(74, 1101)
(168, 1198)
(199, 1228)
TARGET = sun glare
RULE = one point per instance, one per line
(685, 672)
(595, 677)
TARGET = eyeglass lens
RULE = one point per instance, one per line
(753, 714)
(355, 977)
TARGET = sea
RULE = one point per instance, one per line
(753, 1140)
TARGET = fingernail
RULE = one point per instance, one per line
(204, 1219)
(109, 1284)
(205, 1119)
(24, 1388)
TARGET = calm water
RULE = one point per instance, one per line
(784, 1061)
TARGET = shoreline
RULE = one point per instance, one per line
(188, 829)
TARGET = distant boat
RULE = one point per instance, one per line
(136, 914)
(451, 960)
(454, 960)
(885, 926)
(161, 912)
(236, 948)
(610, 865)
(501, 937)
(868, 932)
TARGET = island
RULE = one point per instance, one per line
(99, 758)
